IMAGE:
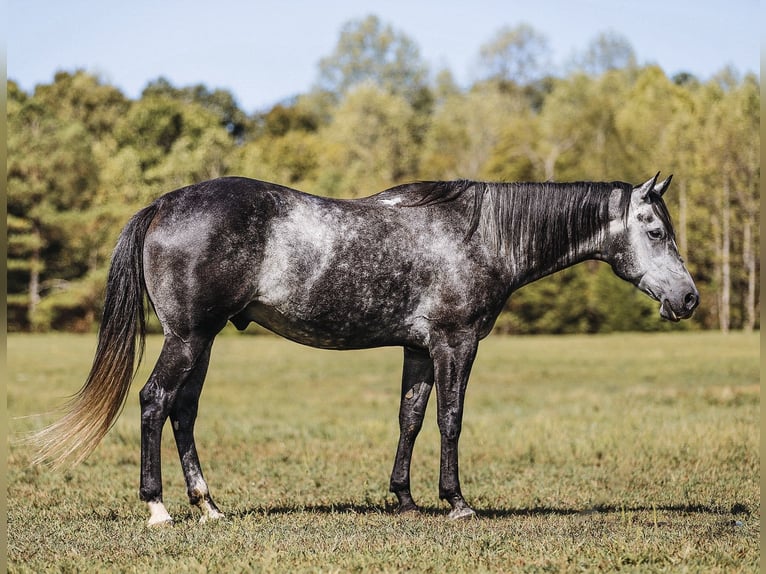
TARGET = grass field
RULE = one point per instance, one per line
(637, 453)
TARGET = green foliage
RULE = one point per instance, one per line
(464, 131)
(607, 51)
(370, 51)
(71, 306)
(517, 55)
(371, 139)
(82, 158)
(290, 159)
(220, 103)
(636, 453)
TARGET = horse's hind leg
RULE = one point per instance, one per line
(182, 417)
(176, 365)
(417, 381)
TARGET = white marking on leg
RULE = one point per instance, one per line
(462, 514)
(209, 511)
(159, 514)
(204, 502)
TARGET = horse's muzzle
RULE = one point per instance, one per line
(690, 302)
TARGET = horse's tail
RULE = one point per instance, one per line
(94, 409)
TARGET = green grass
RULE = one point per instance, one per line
(624, 452)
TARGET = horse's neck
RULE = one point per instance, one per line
(523, 272)
(526, 248)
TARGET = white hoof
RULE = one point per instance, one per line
(465, 513)
(159, 515)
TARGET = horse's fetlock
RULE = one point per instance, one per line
(150, 494)
(197, 495)
(399, 487)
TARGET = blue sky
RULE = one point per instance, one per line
(265, 51)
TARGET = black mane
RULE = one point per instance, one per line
(525, 221)
(424, 193)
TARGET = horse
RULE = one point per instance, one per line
(426, 266)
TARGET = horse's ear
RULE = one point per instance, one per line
(647, 187)
(662, 187)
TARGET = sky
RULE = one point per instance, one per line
(266, 51)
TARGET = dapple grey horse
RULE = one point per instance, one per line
(425, 266)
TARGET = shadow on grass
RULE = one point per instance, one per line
(612, 509)
(492, 513)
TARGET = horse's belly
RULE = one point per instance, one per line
(325, 330)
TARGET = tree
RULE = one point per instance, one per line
(285, 146)
(371, 52)
(517, 55)
(573, 136)
(282, 119)
(464, 131)
(607, 51)
(646, 120)
(51, 174)
(83, 98)
(728, 161)
(151, 127)
(219, 102)
(203, 150)
(83, 158)
(177, 143)
(371, 144)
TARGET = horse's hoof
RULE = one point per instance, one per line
(159, 515)
(408, 510)
(209, 510)
(465, 513)
(211, 517)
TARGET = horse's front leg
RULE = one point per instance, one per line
(417, 381)
(452, 366)
(182, 417)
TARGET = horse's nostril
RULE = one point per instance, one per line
(691, 300)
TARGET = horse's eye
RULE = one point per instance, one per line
(656, 233)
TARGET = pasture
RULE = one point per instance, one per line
(637, 452)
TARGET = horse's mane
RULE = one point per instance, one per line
(539, 221)
(423, 193)
(661, 211)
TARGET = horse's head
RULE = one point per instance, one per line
(642, 250)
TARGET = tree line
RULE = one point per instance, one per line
(83, 157)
